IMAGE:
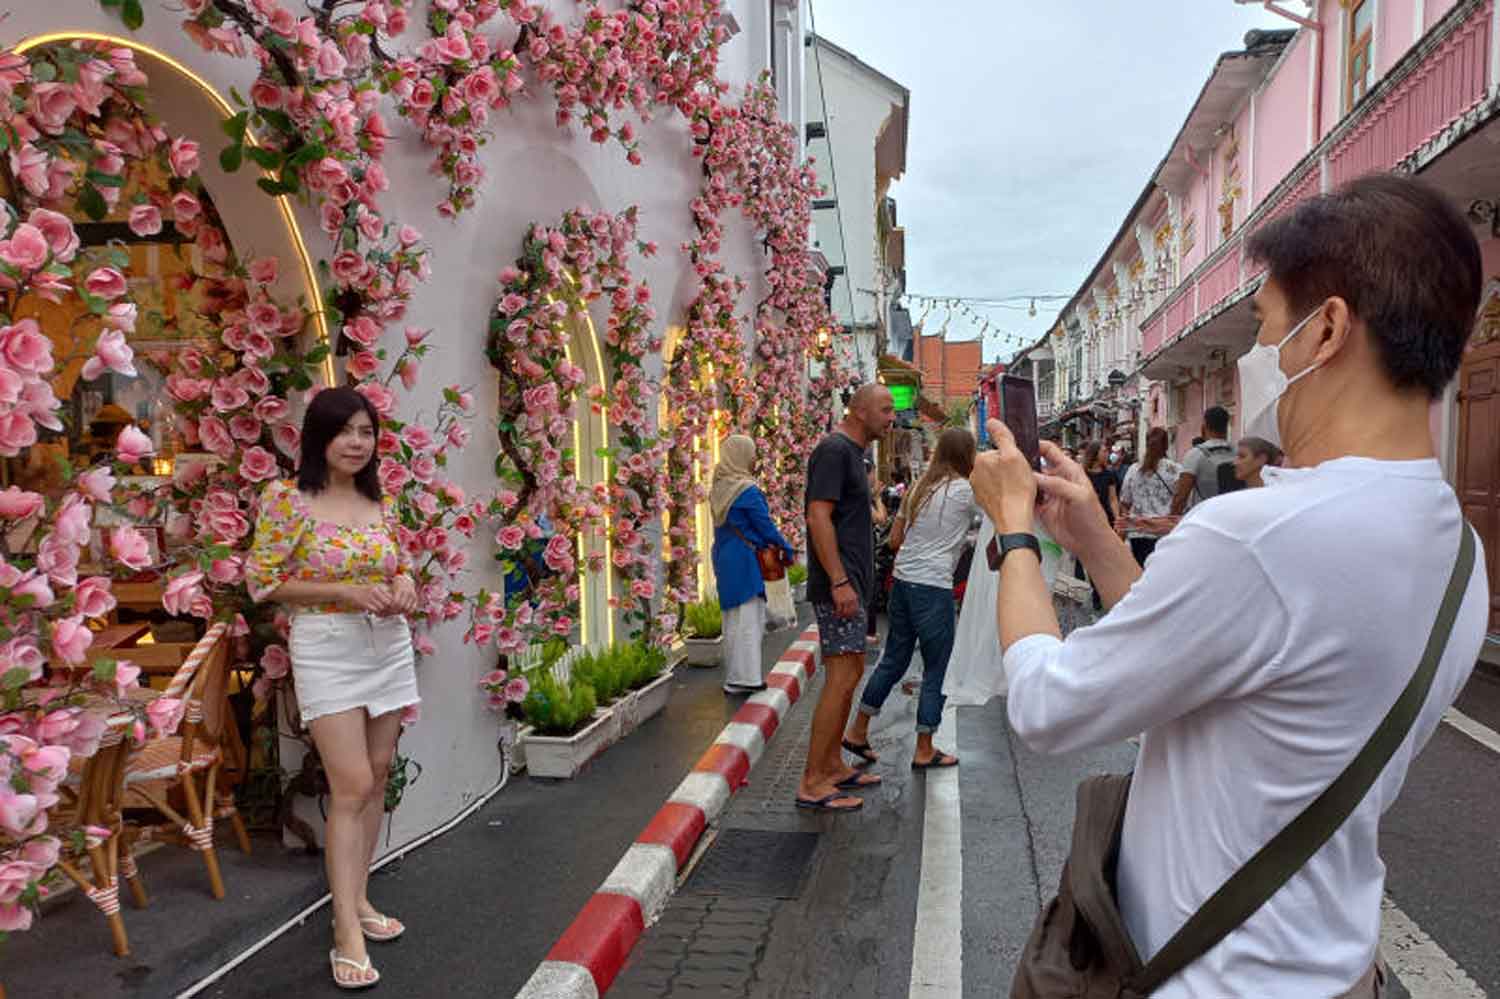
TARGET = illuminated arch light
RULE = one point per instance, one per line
(609, 570)
(309, 274)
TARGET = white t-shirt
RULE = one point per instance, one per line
(932, 544)
(1270, 633)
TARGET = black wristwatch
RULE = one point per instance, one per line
(1002, 545)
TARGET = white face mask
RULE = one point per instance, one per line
(1263, 383)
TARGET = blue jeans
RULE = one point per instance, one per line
(919, 614)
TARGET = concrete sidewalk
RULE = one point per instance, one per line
(484, 902)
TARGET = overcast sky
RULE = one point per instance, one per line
(1034, 127)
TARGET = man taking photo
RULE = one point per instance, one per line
(1274, 628)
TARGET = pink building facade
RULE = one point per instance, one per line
(1353, 86)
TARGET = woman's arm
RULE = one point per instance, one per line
(763, 531)
(898, 534)
(1114, 501)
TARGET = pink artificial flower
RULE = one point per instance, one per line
(111, 353)
(265, 94)
(258, 465)
(165, 714)
(34, 585)
(245, 427)
(18, 504)
(70, 525)
(71, 638)
(183, 157)
(185, 207)
(263, 269)
(58, 231)
(380, 397)
(30, 166)
(271, 409)
(92, 597)
(129, 547)
(145, 220)
(330, 61)
(362, 330)
(105, 282)
(408, 371)
(25, 347)
(415, 335)
(517, 689)
(227, 571)
(275, 661)
(510, 537)
(97, 484)
(132, 445)
(362, 364)
(180, 591)
(22, 654)
(229, 395)
(121, 316)
(288, 439)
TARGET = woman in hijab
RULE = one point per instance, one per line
(742, 524)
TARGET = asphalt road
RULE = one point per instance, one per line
(846, 927)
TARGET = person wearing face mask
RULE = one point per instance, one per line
(1277, 635)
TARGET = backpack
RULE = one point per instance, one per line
(1221, 461)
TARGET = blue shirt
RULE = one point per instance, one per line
(735, 566)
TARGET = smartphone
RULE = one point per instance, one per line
(1018, 412)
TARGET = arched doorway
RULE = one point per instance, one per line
(596, 619)
(704, 459)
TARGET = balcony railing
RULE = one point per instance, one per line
(1431, 89)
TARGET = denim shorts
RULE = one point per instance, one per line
(839, 636)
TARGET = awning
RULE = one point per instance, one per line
(1219, 337)
(894, 371)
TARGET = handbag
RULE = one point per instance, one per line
(772, 566)
(1079, 946)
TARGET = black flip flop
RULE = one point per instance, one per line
(862, 750)
(859, 782)
(823, 804)
(938, 762)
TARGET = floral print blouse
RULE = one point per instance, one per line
(290, 543)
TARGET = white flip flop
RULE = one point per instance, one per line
(364, 968)
(383, 932)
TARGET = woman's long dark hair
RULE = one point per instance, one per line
(326, 415)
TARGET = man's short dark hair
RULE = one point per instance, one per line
(1216, 419)
(1400, 255)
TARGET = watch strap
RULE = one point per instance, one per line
(1004, 544)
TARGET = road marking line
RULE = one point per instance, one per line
(1423, 967)
(1482, 734)
(937, 967)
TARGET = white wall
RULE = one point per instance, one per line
(857, 104)
(535, 172)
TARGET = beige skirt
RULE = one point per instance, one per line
(344, 661)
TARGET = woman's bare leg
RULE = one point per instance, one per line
(342, 746)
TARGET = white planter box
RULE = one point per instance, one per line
(640, 706)
(704, 651)
(799, 593)
(566, 755)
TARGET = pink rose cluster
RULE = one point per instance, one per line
(503, 689)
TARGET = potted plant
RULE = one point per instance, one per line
(650, 680)
(568, 729)
(704, 627)
(796, 575)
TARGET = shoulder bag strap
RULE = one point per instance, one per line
(1263, 874)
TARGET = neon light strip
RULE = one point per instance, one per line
(609, 545)
(309, 273)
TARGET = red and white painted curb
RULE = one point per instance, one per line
(589, 955)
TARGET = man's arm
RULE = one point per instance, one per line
(825, 542)
(1185, 483)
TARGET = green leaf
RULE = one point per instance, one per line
(234, 126)
(234, 95)
(44, 72)
(306, 154)
(104, 179)
(104, 670)
(230, 157)
(270, 186)
(15, 678)
(132, 14)
(92, 202)
(316, 354)
(266, 159)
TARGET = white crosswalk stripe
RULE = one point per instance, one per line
(1482, 734)
(937, 967)
(1423, 967)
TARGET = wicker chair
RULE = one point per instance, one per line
(181, 760)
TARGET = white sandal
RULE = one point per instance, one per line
(383, 931)
(364, 968)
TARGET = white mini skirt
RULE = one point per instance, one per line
(344, 661)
